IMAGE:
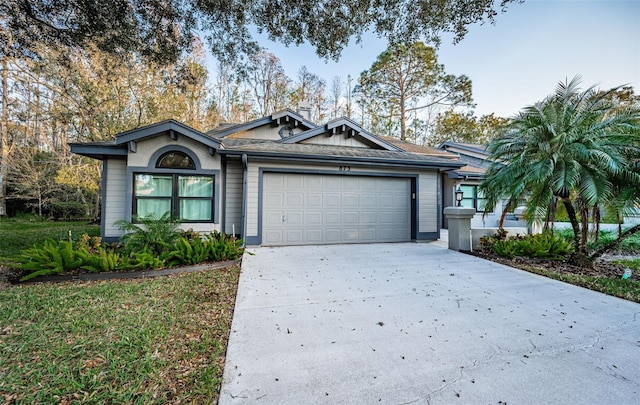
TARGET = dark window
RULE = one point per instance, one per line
(472, 197)
(189, 198)
(175, 160)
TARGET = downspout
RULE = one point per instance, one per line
(245, 164)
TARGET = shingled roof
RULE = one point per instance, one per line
(231, 146)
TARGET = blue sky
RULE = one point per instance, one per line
(521, 58)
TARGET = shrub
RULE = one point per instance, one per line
(193, 249)
(155, 234)
(543, 245)
(99, 259)
(50, 258)
(224, 246)
(188, 251)
(146, 259)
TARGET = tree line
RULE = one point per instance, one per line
(88, 95)
(77, 71)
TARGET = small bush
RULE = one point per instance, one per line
(99, 259)
(543, 246)
(192, 249)
(50, 258)
(155, 234)
(146, 259)
(224, 246)
(188, 251)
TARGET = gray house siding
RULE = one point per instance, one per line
(233, 197)
(428, 202)
(338, 140)
(114, 196)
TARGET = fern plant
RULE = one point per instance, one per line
(187, 251)
(152, 233)
(543, 245)
(224, 246)
(49, 258)
(99, 259)
(143, 260)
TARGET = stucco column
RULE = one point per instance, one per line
(459, 219)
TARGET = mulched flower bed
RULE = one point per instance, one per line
(603, 267)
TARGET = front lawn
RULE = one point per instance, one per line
(18, 234)
(160, 340)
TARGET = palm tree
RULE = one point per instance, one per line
(570, 146)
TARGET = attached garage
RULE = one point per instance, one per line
(299, 209)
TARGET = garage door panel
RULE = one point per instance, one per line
(313, 182)
(294, 218)
(294, 182)
(368, 184)
(314, 218)
(273, 237)
(333, 235)
(385, 202)
(368, 202)
(274, 199)
(332, 218)
(314, 236)
(351, 235)
(333, 183)
(320, 209)
(332, 200)
(350, 218)
(314, 200)
(273, 218)
(368, 218)
(274, 182)
(294, 236)
(295, 199)
(350, 200)
(368, 235)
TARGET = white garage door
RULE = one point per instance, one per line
(300, 209)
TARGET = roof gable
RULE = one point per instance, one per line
(284, 118)
(341, 127)
(471, 149)
(170, 127)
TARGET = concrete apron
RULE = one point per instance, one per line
(418, 323)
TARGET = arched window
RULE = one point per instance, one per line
(187, 196)
(175, 160)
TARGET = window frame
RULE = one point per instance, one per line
(150, 169)
(175, 198)
(475, 200)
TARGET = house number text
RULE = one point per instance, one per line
(345, 168)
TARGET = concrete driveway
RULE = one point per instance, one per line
(416, 323)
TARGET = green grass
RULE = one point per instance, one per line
(629, 245)
(17, 234)
(160, 340)
(633, 264)
(626, 289)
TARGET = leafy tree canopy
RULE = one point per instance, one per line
(162, 29)
(466, 127)
(407, 79)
